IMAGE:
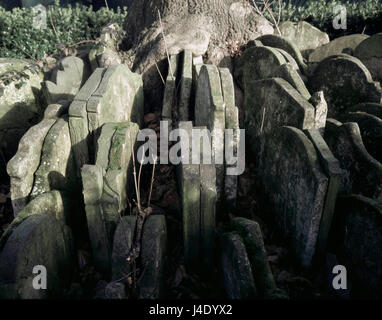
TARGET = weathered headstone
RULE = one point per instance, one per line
(257, 63)
(363, 174)
(289, 166)
(331, 167)
(185, 86)
(189, 182)
(274, 103)
(66, 80)
(40, 240)
(170, 91)
(371, 131)
(236, 267)
(345, 82)
(369, 52)
(56, 170)
(210, 112)
(53, 203)
(252, 237)
(78, 119)
(22, 167)
(154, 244)
(362, 237)
(283, 43)
(304, 35)
(374, 109)
(337, 46)
(123, 238)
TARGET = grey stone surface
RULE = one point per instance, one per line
(66, 80)
(305, 36)
(115, 291)
(56, 170)
(123, 238)
(371, 131)
(210, 112)
(236, 267)
(185, 86)
(362, 237)
(283, 43)
(319, 103)
(337, 46)
(369, 52)
(375, 109)
(189, 183)
(345, 82)
(40, 240)
(22, 167)
(170, 91)
(252, 237)
(363, 174)
(78, 119)
(53, 203)
(231, 122)
(331, 167)
(273, 103)
(289, 166)
(256, 63)
(154, 244)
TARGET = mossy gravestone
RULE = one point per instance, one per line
(345, 82)
(40, 240)
(289, 166)
(363, 174)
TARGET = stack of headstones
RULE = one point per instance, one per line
(205, 94)
(44, 192)
(300, 152)
(46, 177)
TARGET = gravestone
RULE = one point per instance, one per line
(331, 167)
(305, 36)
(186, 82)
(276, 41)
(154, 244)
(22, 167)
(189, 184)
(362, 173)
(273, 103)
(107, 186)
(374, 109)
(170, 91)
(371, 131)
(345, 82)
(78, 119)
(66, 80)
(231, 122)
(369, 52)
(256, 63)
(361, 240)
(56, 170)
(237, 272)
(123, 238)
(289, 167)
(210, 112)
(53, 203)
(252, 237)
(337, 46)
(40, 240)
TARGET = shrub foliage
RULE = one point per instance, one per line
(64, 25)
